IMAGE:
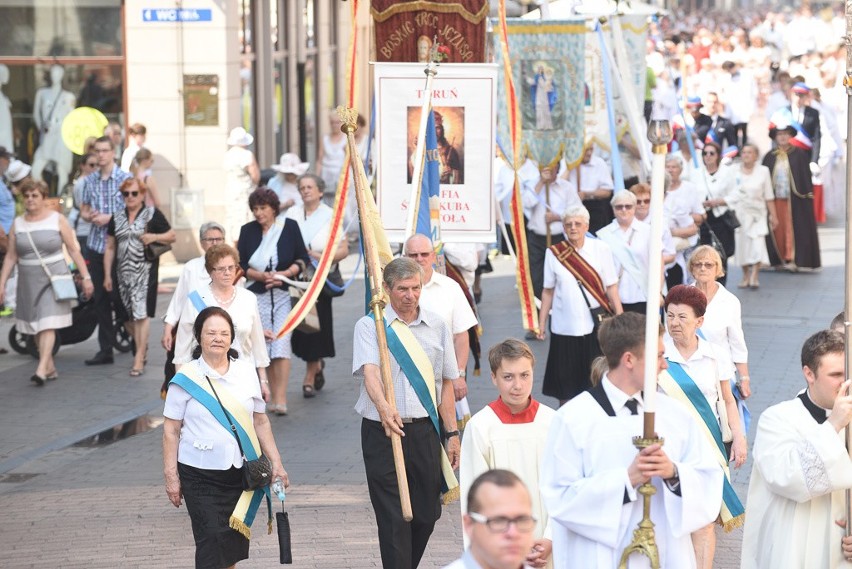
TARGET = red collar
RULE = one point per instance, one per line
(507, 417)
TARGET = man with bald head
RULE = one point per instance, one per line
(443, 296)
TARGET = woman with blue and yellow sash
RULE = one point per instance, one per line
(201, 455)
(694, 377)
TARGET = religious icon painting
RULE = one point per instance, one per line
(541, 104)
(449, 131)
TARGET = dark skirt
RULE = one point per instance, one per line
(569, 365)
(211, 496)
(312, 347)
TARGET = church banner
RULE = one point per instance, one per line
(464, 105)
(548, 68)
(405, 31)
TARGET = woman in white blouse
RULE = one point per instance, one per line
(723, 325)
(222, 262)
(202, 459)
(719, 185)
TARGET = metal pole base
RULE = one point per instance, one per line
(643, 536)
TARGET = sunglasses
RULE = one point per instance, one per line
(623, 206)
(127, 194)
(415, 255)
(704, 265)
(643, 202)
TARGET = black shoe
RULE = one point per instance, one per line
(100, 358)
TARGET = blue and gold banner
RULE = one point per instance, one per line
(548, 67)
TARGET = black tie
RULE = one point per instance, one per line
(633, 405)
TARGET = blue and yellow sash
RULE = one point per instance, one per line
(418, 369)
(191, 381)
(676, 383)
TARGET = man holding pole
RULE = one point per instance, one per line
(423, 367)
(796, 498)
(591, 469)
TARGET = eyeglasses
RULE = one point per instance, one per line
(128, 194)
(622, 206)
(500, 524)
(643, 202)
(213, 239)
(421, 255)
(704, 265)
(573, 223)
(223, 270)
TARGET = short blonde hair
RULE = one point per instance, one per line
(706, 252)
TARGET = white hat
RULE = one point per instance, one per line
(17, 171)
(239, 137)
(291, 164)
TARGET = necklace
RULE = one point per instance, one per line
(224, 302)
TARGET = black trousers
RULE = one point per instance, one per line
(600, 214)
(639, 307)
(537, 247)
(402, 543)
(104, 301)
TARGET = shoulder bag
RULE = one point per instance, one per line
(154, 250)
(599, 314)
(63, 286)
(256, 473)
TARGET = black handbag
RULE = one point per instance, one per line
(599, 314)
(730, 219)
(716, 243)
(256, 473)
(334, 277)
(154, 250)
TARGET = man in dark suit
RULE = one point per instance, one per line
(702, 121)
(725, 134)
(808, 118)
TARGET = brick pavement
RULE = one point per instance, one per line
(105, 506)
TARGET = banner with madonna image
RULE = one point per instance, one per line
(547, 65)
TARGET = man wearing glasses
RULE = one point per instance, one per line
(101, 199)
(591, 471)
(499, 523)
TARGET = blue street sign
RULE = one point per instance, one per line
(175, 15)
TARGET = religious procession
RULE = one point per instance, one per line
(611, 164)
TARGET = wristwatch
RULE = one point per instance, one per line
(450, 434)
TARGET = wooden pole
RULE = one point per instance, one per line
(349, 119)
(847, 81)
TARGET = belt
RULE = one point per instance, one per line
(415, 419)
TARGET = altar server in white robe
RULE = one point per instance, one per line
(591, 469)
(510, 433)
(801, 469)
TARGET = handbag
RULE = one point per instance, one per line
(599, 314)
(334, 277)
(256, 473)
(727, 434)
(716, 243)
(154, 250)
(63, 286)
(310, 324)
(730, 219)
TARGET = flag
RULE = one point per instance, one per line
(431, 185)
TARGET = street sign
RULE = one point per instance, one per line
(175, 15)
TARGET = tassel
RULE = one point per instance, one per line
(451, 495)
(733, 524)
(240, 526)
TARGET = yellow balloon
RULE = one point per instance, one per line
(79, 125)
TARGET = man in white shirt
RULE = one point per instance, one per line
(595, 186)
(545, 199)
(591, 469)
(443, 296)
(499, 523)
(802, 469)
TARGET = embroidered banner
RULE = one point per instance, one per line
(405, 31)
(548, 68)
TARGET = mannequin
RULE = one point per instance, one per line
(52, 104)
(6, 139)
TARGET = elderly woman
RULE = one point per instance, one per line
(129, 232)
(720, 184)
(285, 182)
(723, 325)
(314, 219)
(35, 246)
(221, 263)
(269, 249)
(696, 377)
(202, 457)
(629, 240)
(579, 276)
(755, 203)
(242, 175)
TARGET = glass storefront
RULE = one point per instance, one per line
(57, 55)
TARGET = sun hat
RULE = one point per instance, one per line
(290, 163)
(239, 137)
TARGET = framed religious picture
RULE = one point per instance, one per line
(464, 111)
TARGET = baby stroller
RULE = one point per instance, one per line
(83, 324)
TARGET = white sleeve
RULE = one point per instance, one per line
(549, 272)
(185, 341)
(736, 337)
(178, 298)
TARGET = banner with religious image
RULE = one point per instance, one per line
(405, 31)
(547, 68)
(634, 31)
(464, 105)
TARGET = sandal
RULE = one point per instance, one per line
(319, 378)
(52, 375)
(136, 372)
(308, 391)
(37, 379)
